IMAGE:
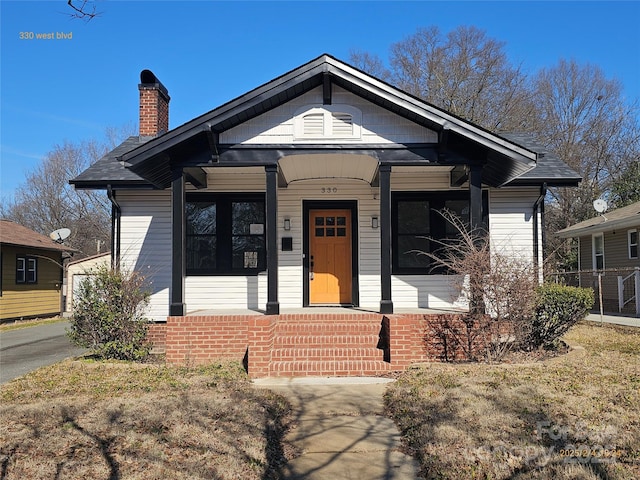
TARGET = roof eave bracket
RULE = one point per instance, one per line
(326, 89)
(214, 141)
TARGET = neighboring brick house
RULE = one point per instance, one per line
(316, 189)
(608, 243)
(31, 273)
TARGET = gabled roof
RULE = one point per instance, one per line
(150, 161)
(13, 234)
(624, 217)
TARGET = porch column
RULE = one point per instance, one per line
(178, 256)
(386, 304)
(475, 223)
(273, 307)
(475, 197)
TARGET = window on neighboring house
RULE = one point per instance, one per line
(418, 227)
(26, 270)
(632, 236)
(225, 234)
(598, 251)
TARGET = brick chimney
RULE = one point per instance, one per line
(154, 105)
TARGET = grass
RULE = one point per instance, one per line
(112, 420)
(18, 324)
(576, 416)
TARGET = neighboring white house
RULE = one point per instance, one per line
(78, 271)
(316, 188)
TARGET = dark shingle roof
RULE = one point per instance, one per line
(549, 167)
(12, 233)
(108, 170)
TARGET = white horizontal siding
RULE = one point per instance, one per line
(146, 243)
(426, 291)
(511, 221)
(290, 277)
(225, 292)
(235, 180)
(378, 124)
(420, 179)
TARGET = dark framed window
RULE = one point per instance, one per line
(418, 227)
(26, 269)
(225, 234)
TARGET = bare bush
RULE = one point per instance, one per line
(499, 288)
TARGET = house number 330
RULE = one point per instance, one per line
(329, 190)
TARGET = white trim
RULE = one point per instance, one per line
(594, 254)
(579, 262)
(630, 244)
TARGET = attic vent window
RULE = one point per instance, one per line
(342, 125)
(313, 125)
(327, 122)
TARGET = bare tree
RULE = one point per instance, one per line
(583, 118)
(83, 9)
(463, 72)
(46, 202)
(370, 63)
(626, 189)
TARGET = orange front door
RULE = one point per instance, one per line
(330, 256)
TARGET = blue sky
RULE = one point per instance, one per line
(208, 52)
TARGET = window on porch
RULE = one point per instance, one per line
(418, 227)
(225, 234)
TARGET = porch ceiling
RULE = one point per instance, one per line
(334, 165)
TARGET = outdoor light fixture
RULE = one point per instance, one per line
(287, 224)
(374, 222)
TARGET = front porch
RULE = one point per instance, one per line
(306, 342)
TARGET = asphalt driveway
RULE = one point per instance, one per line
(26, 349)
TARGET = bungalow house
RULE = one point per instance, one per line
(30, 273)
(608, 257)
(317, 190)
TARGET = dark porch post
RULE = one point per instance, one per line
(273, 307)
(178, 265)
(475, 198)
(386, 304)
(475, 223)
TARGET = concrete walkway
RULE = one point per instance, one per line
(340, 430)
(614, 319)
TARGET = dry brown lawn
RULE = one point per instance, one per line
(576, 416)
(108, 420)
